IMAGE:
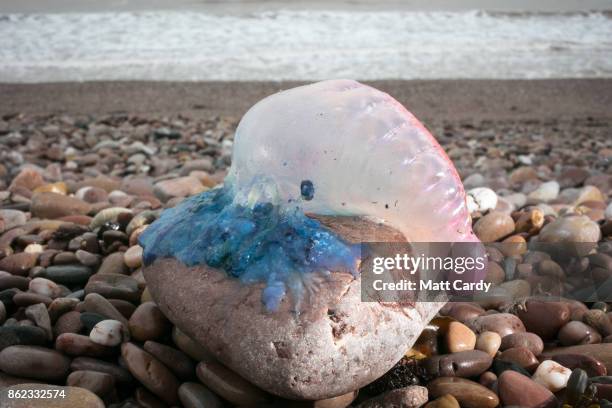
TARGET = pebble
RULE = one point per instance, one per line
(481, 199)
(18, 264)
(34, 362)
(518, 390)
(2, 313)
(69, 322)
(552, 375)
(101, 384)
(28, 179)
(40, 316)
(601, 352)
(501, 323)
(114, 264)
(413, 396)
(494, 226)
(599, 320)
(107, 333)
(570, 229)
(120, 374)
(545, 192)
(12, 335)
(71, 397)
(12, 281)
(178, 187)
(445, 401)
(45, 287)
(468, 393)
(528, 340)
(133, 256)
(459, 337)
(29, 298)
(148, 322)
(74, 344)
(95, 303)
(68, 274)
(521, 356)
(53, 205)
(576, 386)
(489, 342)
(460, 364)
(592, 366)
(194, 395)
(576, 332)
(544, 318)
(34, 249)
(114, 286)
(188, 346)
(90, 320)
(175, 360)
(151, 373)
(11, 218)
(229, 385)
(107, 215)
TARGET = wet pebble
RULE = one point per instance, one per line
(445, 401)
(518, 390)
(576, 332)
(500, 323)
(461, 364)
(521, 356)
(459, 337)
(544, 318)
(468, 393)
(552, 375)
(73, 344)
(592, 366)
(528, 340)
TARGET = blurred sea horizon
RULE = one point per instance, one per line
(215, 44)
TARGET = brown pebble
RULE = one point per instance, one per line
(592, 366)
(518, 390)
(229, 385)
(78, 345)
(528, 340)
(120, 374)
(176, 360)
(494, 226)
(520, 356)
(501, 323)
(445, 401)
(18, 264)
(413, 396)
(148, 322)
(459, 337)
(544, 318)
(69, 322)
(28, 298)
(468, 393)
(53, 205)
(151, 373)
(489, 342)
(576, 332)
(34, 362)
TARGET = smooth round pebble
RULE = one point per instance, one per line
(468, 393)
(44, 287)
(552, 375)
(34, 362)
(445, 401)
(489, 342)
(518, 390)
(148, 322)
(107, 333)
(528, 340)
(459, 337)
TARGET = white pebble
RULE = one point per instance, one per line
(107, 333)
(552, 375)
(481, 199)
(34, 249)
(45, 287)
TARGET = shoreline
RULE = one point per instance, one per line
(477, 100)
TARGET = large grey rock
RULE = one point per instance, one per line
(336, 345)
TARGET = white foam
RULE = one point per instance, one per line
(302, 45)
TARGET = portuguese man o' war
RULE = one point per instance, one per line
(331, 148)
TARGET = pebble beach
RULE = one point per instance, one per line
(78, 186)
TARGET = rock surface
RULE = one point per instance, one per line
(336, 336)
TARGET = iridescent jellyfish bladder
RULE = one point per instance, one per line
(335, 148)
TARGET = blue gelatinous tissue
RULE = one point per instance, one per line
(252, 237)
(330, 148)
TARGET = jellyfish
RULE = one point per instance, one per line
(337, 148)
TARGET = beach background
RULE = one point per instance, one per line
(443, 59)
